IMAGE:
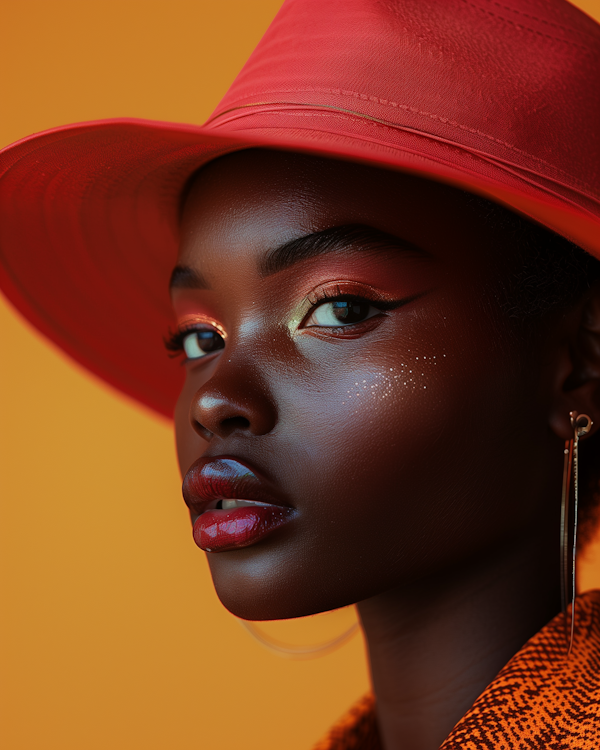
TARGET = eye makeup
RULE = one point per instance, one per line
(188, 321)
(330, 290)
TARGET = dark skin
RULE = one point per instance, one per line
(420, 445)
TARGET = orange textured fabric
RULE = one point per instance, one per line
(540, 699)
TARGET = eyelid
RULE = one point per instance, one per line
(333, 289)
(187, 322)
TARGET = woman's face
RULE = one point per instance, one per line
(360, 388)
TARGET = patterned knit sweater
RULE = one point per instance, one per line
(539, 700)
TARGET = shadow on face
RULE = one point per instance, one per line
(345, 342)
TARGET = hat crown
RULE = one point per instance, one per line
(517, 79)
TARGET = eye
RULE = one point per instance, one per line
(343, 311)
(195, 343)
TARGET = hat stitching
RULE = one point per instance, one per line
(473, 153)
(541, 20)
(559, 10)
(527, 28)
(404, 107)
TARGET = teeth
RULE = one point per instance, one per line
(232, 504)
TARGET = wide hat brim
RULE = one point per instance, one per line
(89, 212)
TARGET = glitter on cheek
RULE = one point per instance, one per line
(393, 382)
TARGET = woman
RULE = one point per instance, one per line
(357, 336)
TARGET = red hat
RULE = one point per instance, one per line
(498, 98)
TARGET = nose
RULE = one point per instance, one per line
(232, 402)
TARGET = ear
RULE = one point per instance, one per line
(577, 378)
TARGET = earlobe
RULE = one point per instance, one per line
(577, 385)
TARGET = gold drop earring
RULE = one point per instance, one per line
(581, 425)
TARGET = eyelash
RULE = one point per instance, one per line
(173, 341)
(324, 295)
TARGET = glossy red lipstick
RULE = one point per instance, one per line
(231, 505)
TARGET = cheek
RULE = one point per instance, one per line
(370, 429)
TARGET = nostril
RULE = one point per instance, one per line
(235, 423)
(224, 428)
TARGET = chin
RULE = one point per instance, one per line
(257, 587)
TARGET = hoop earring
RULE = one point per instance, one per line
(581, 425)
(298, 652)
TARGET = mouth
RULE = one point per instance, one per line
(231, 505)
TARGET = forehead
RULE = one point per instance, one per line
(248, 202)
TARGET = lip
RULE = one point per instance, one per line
(211, 479)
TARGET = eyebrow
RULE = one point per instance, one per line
(184, 277)
(332, 240)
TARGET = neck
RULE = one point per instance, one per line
(434, 646)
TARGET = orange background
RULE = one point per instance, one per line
(112, 635)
